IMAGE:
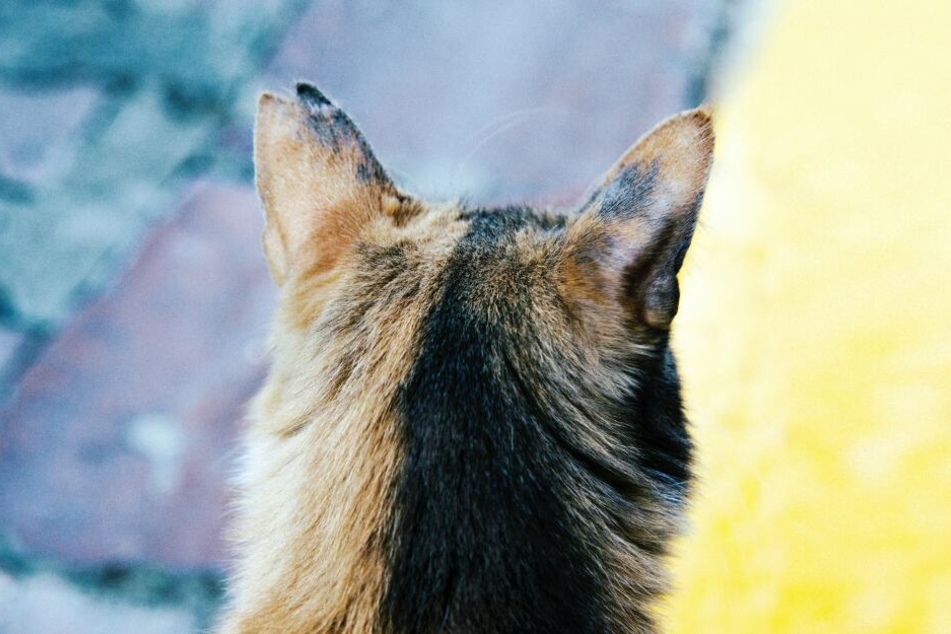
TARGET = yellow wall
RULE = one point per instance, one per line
(815, 333)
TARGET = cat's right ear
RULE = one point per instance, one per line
(631, 236)
(318, 180)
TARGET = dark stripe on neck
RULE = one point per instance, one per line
(660, 427)
(481, 540)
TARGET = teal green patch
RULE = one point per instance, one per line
(173, 79)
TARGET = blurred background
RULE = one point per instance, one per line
(134, 300)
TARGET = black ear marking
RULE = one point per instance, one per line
(364, 173)
(637, 225)
(337, 132)
(331, 126)
(629, 194)
(310, 96)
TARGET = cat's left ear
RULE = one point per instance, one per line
(629, 241)
(319, 181)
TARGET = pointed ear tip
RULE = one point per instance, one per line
(702, 121)
(694, 127)
(266, 98)
(269, 101)
(705, 111)
(703, 118)
(310, 95)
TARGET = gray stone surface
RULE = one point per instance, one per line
(45, 604)
(37, 131)
(10, 341)
(166, 79)
(124, 428)
(40, 596)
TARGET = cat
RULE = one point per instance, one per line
(472, 421)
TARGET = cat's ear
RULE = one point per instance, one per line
(631, 236)
(317, 178)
